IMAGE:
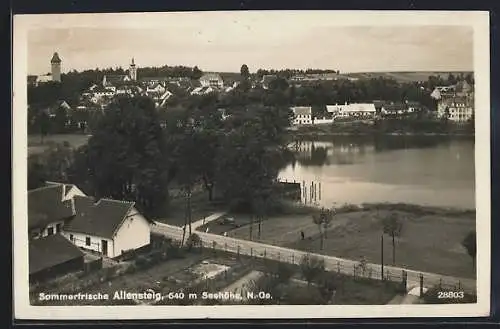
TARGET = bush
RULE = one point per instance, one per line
(141, 262)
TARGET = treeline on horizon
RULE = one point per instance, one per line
(317, 94)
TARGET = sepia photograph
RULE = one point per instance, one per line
(266, 164)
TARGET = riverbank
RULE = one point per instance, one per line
(430, 239)
(316, 134)
(387, 127)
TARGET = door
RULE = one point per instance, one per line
(104, 249)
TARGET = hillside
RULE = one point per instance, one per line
(403, 76)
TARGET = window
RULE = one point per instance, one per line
(58, 228)
(50, 230)
(71, 238)
(87, 241)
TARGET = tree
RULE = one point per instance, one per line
(197, 73)
(392, 226)
(43, 124)
(126, 156)
(469, 243)
(244, 72)
(311, 267)
(60, 119)
(37, 173)
(323, 220)
(194, 241)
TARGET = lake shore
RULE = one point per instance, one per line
(316, 134)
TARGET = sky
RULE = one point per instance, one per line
(217, 42)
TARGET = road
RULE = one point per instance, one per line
(344, 266)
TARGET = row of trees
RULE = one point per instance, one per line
(288, 73)
(131, 157)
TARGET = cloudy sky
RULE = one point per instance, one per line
(224, 42)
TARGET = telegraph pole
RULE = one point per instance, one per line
(382, 255)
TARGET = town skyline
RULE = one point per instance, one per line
(256, 41)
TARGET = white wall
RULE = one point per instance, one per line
(36, 233)
(322, 121)
(73, 191)
(134, 233)
(79, 240)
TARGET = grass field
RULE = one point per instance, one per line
(35, 146)
(430, 241)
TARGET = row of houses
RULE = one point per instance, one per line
(65, 226)
(303, 115)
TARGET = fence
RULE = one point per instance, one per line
(357, 269)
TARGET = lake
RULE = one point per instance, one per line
(434, 171)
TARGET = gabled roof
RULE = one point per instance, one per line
(45, 206)
(211, 76)
(302, 110)
(101, 219)
(50, 251)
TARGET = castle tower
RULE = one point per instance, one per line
(55, 63)
(133, 71)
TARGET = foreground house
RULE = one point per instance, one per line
(52, 256)
(108, 227)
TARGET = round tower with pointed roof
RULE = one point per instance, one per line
(133, 71)
(55, 63)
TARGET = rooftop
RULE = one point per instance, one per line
(49, 251)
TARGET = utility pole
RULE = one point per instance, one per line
(382, 255)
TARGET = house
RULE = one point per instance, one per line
(212, 80)
(456, 102)
(358, 110)
(49, 208)
(443, 91)
(267, 79)
(52, 256)
(155, 88)
(115, 79)
(458, 108)
(203, 90)
(334, 110)
(393, 109)
(108, 227)
(302, 115)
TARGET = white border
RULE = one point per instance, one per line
(479, 21)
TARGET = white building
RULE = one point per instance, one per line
(357, 110)
(302, 115)
(108, 227)
(458, 108)
(203, 90)
(212, 80)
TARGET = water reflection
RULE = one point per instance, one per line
(428, 170)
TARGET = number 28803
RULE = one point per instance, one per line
(450, 294)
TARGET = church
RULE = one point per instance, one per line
(112, 80)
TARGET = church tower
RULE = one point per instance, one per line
(133, 71)
(55, 63)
